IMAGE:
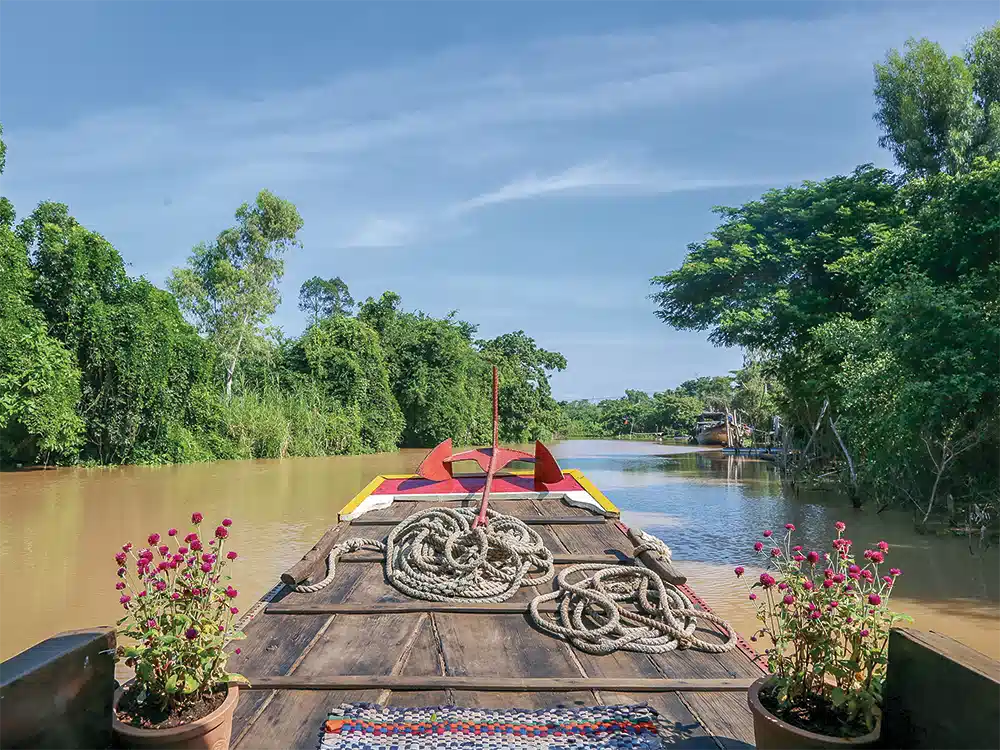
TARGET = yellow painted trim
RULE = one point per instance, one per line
(363, 495)
(592, 490)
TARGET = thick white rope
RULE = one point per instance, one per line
(437, 556)
(591, 617)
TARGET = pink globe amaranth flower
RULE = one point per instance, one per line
(206, 567)
(208, 557)
(753, 638)
(151, 623)
(798, 558)
(222, 628)
(868, 575)
(797, 548)
(233, 556)
(227, 522)
(153, 539)
(815, 614)
(211, 542)
(782, 586)
(813, 557)
(162, 565)
(182, 550)
(758, 546)
(874, 599)
(766, 580)
(828, 573)
(142, 593)
(788, 599)
(196, 546)
(120, 558)
(125, 599)
(808, 585)
(854, 576)
(175, 596)
(877, 557)
(121, 572)
(868, 554)
(196, 518)
(827, 583)
(849, 587)
(190, 537)
(894, 571)
(160, 585)
(231, 592)
(775, 552)
(752, 597)
(838, 578)
(864, 633)
(739, 570)
(840, 525)
(790, 526)
(853, 569)
(120, 585)
(883, 547)
(164, 549)
(887, 579)
(192, 560)
(172, 565)
(127, 546)
(190, 634)
(768, 532)
(850, 620)
(833, 604)
(238, 651)
(221, 532)
(178, 558)
(171, 532)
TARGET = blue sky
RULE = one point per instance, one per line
(530, 165)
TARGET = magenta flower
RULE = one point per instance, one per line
(120, 585)
(231, 555)
(808, 585)
(790, 526)
(815, 614)
(164, 549)
(190, 634)
(813, 557)
(160, 585)
(120, 558)
(775, 552)
(894, 571)
(238, 651)
(221, 532)
(877, 557)
(868, 554)
(125, 599)
(234, 611)
(153, 539)
(196, 546)
(864, 633)
(206, 567)
(797, 548)
(849, 587)
(222, 628)
(182, 550)
(171, 532)
(827, 583)
(828, 573)
(142, 593)
(752, 597)
(739, 570)
(196, 518)
(227, 522)
(798, 557)
(887, 579)
(833, 604)
(874, 599)
(788, 599)
(190, 537)
(127, 546)
(868, 575)
(121, 572)
(850, 620)
(766, 580)
(840, 526)
(231, 592)
(883, 547)
(758, 546)
(151, 623)
(178, 558)
(853, 569)
(768, 533)
(175, 595)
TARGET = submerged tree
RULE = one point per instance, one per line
(325, 298)
(231, 285)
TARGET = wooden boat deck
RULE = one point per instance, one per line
(361, 640)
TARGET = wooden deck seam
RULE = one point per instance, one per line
(700, 719)
(403, 657)
(441, 659)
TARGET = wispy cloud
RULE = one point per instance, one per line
(383, 232)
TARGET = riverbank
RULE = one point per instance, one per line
(60, 529)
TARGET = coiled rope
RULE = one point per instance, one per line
(591, 617)
(437, 555)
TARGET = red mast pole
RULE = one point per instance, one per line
(480, 519)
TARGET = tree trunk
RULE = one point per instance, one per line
(819, 421)
(855, 499)
(232, 367)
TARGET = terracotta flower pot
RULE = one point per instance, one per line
(210, 732)
(771, 733)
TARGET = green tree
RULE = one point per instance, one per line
(231, 285)
(675, 412)
(938, 111)
(324, 298)
(715, 392)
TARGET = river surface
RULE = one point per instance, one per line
(60, 529)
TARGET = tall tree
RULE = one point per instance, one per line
(325, 298)
(938, 111)
(231, 285)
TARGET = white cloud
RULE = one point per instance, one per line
(383, 232)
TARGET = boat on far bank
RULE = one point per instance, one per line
(710, 429)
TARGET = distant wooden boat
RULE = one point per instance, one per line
(711, 429)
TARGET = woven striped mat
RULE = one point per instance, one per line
(365, 726)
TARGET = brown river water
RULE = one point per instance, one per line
(60, 529)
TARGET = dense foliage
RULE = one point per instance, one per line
(875, 293)
(102, 367)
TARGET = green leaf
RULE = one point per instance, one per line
(838, 697)
(171, 684)
(190, 684)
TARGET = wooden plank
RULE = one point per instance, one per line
(725, 715)
(663, 567)
(677, 726)
(303, 681)
(527, 520)
(294, 719)
(58, 693)
(423, 659)
(364, 608)
(314, 557)
(939, 693)
(572, 559)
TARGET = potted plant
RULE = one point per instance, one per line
(180, 613)
(828, 619)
